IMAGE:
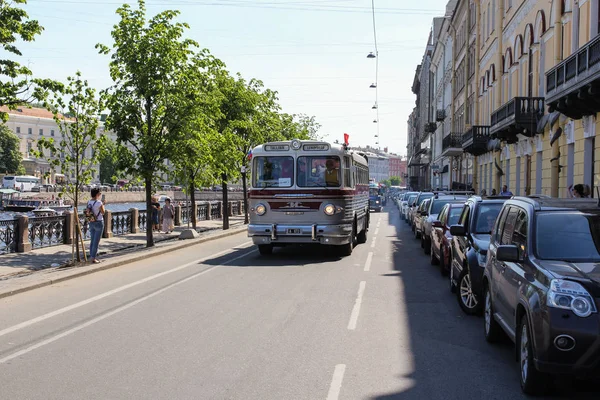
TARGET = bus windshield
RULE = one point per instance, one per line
(274, 171)
(318, 171)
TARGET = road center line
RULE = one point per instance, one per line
(368, 262)
(113, 312)
(101, 296)
(376, 231)
(373, 242)
(336, 382)
(356, 308)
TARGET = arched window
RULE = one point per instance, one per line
(528, 41)
(518, 46)
(540, 26)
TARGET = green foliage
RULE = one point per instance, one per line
(16, 85)
(151, 99)
(10, 156)
(76, 152)
(110, 164)
(395, 181)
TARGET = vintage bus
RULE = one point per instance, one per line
(308, 192)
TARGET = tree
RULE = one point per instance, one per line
(76, 153)
(396, 181)
(151, 95)
(10, 156)
(16, 85)
(109, 162)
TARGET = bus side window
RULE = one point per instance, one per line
(347, 172)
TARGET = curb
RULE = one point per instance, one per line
(144, 254)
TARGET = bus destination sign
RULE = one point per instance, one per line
(276, 147)
(316, 147)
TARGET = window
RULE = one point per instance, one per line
(18, 129)
(578, 240)
(347, 175)
(318, 171)
(41, 132)
(493, 15)
(486, 217)
(30, 131)
(508, 227)
(51, 132)
(454, 215)
(442, 215)
(275, 171)
(472, 16)
(519, 237)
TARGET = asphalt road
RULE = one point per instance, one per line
(217, 321)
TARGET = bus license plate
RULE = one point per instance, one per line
(293, 231)
(294, 213)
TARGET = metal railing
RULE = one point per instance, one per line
(453, 140)
(46, 231)
(120, 223)
(215, 212)
(578, 66)
(8, 231)
(517, 108)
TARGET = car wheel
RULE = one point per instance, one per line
(417, 234)
(533, 382)
(432, 257)
(427, 245)
(362, 236)
(492, 329)
(467, 299)
(265, 249)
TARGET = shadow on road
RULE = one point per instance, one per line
(451, 359)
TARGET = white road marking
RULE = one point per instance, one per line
(373, 242)
(368, 262)
(376, 231)
(113, 312)
(356, 308)
(101, 296)
(336, 382)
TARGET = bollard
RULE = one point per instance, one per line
(208, 206)
(107, 234)
(135, 220)
(177, 218)
(239, 207)
(220, 210)
(23, 243)
(69, 229)
(230, 208)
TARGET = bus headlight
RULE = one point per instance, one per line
(260, 209)
(329, 209)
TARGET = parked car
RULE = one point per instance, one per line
(419, 217)
(542, 287)
(441, 238)
(406, 206)
(403, 202)
(421, 197)
(431, 214)
(471, 237)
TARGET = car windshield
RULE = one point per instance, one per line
(437, 205)
(273, 172)
(318, 171)
(454, 215)
(486, 217)
(568, 236)
(411, 199)
(424, 197)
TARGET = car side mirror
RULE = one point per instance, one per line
(458, 230)
(437, 224)
(508, 253)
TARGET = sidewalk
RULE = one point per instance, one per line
(51, 259)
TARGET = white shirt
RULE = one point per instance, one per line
(96, 204)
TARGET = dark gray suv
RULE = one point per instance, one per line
(542, 287)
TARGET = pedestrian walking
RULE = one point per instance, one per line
(155, 214)
(94, 215)
(168, 216)
(505, 192)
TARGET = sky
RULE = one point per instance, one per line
(312, 52)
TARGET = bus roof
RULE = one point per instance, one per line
(306, 147)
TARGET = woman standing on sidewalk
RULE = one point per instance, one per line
(168, 216)
(96, 226)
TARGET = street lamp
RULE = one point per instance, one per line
(374, 106)
(371, 55)
(374, 121)
(243, 171)
(373, 86)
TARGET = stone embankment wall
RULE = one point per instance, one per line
(134, 197)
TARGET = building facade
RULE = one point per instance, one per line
(397, 166)
(523, 110)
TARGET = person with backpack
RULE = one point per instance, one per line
(94, 215)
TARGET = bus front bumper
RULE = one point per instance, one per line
(292, 233)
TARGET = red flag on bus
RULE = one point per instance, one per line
(346, 137)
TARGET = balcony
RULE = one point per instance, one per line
(519, 115)
(572, 87)
(452, 145)
(440, 115)
(430, 127)
(475, 140)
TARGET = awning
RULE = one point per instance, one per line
(445, 169)
(493, 145)
(556, 135)
(541, 125)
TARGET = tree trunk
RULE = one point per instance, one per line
(149, 212)
(76, 210)
(225, 202)
(193, 200)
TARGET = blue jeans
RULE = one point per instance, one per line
(96, 229)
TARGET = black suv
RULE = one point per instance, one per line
(542, 287)
(470, 240)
